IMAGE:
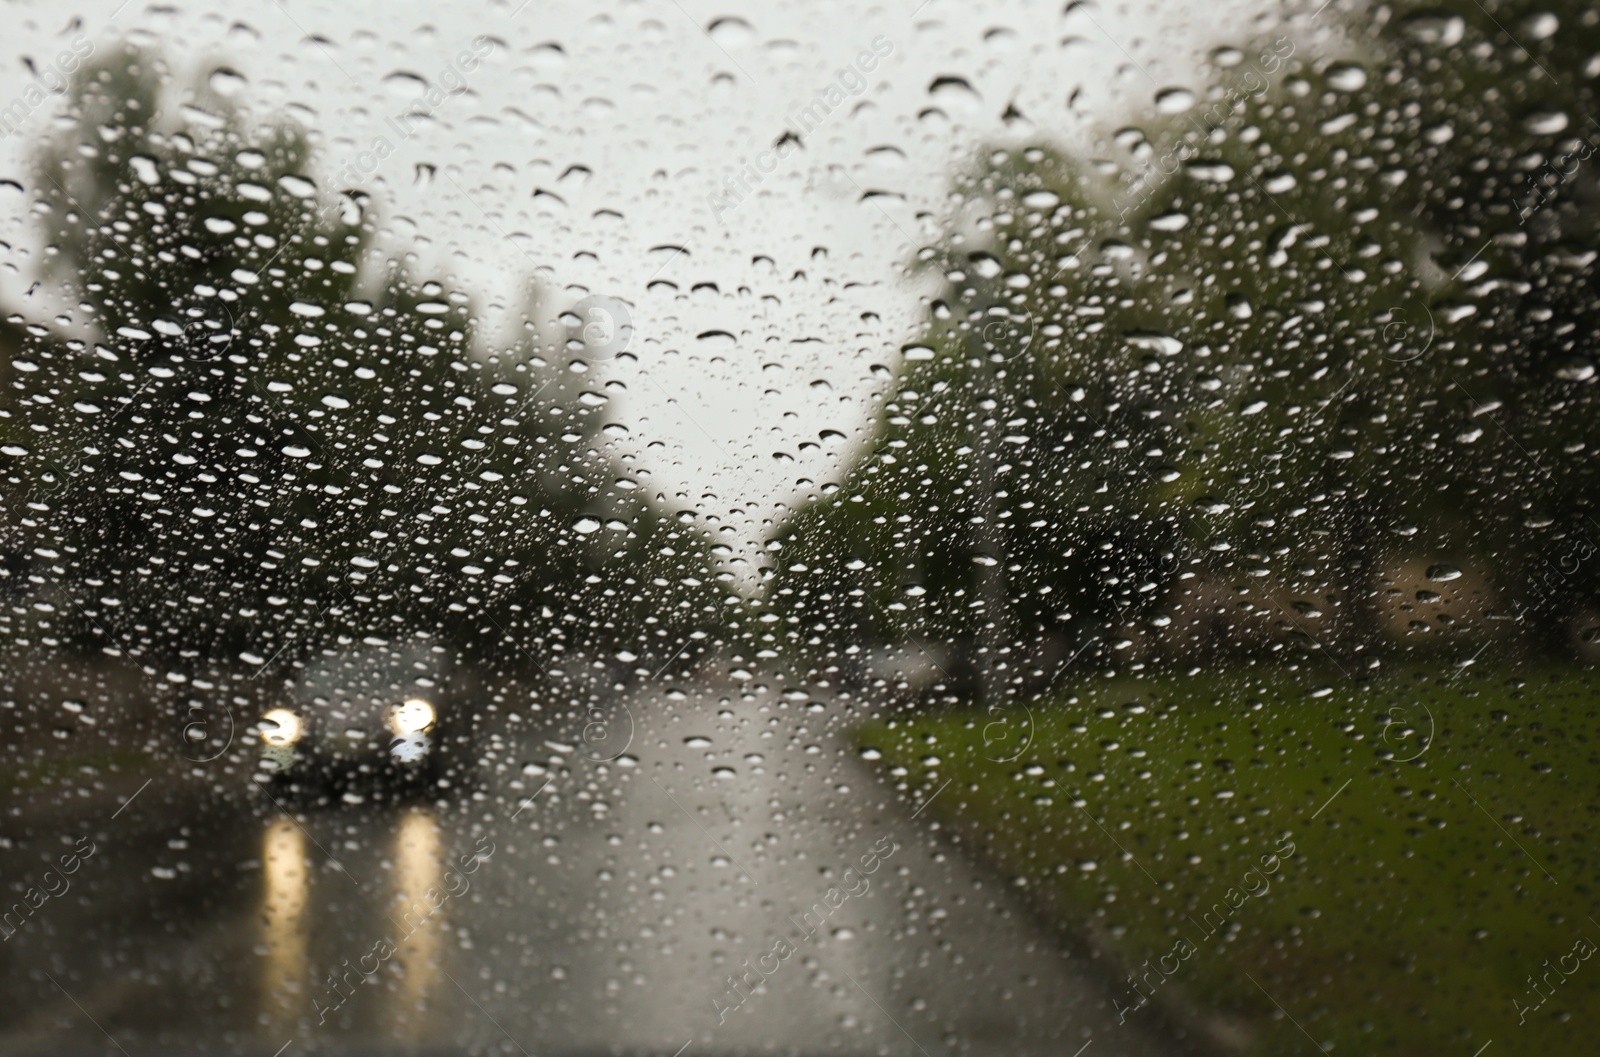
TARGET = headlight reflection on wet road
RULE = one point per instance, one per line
(285, 928)
(420, 921)
(391, 937)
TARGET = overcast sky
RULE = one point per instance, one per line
(590, 134)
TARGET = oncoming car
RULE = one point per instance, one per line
(370, 717)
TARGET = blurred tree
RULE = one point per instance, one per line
(1313, 325)
(250, 436)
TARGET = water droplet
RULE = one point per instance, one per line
(226, 82)
(1435, 27)
(732, 32)
(1545, 122)
(298, 186)
(403, 84)
(1174, 100)
(1153, 341)
(1278, 183)
(1540, 26)
(1214, 172)
(1346, 77)
(955, 92)
(1574, 369)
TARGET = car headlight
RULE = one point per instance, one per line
(281, 727)
(411, 716)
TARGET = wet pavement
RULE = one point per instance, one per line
(707, 867)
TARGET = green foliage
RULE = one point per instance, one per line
(1301, 332)
(250, 435)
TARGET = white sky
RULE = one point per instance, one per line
(659, 110)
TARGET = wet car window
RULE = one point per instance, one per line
(918, 529)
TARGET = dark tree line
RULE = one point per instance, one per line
(1323, 339)
(253, 433)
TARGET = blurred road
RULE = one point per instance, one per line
(571, 904)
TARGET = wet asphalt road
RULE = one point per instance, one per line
(571, 904)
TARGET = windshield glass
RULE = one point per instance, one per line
(919, 529)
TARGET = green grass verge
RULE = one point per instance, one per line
(1421, 902)
(71, 771)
